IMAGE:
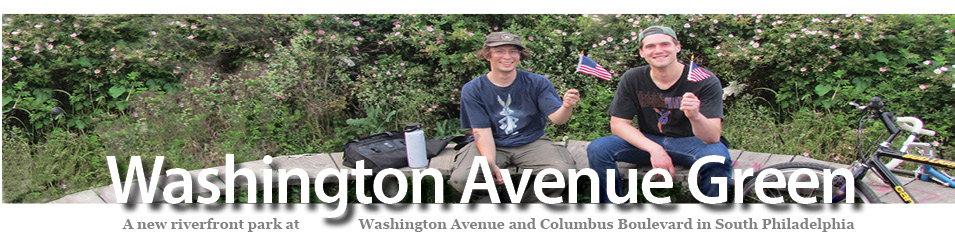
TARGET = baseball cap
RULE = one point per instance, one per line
(652, 30)
(502, 38)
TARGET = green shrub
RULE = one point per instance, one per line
(195, 87)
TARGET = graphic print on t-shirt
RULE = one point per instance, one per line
(663, 106)
(664, 118)
(508, 123)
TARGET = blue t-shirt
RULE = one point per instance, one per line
(516, 114)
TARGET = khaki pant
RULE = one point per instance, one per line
(537, 156)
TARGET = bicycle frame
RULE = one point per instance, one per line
(930, 173)
(881, 170)
(924, 172)
(874, 161)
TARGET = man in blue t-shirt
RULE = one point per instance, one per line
(679, 112)
(506, 110)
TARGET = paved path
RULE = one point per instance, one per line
(924, 192)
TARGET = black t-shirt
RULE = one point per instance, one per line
(658, 111)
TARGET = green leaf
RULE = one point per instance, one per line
(122, 105)
(823, 89)
(861, 84)
(84, 62)
(151, 83)
(116, 91)
(42, 95)
(79, 123)
(6, 99)
(170, 88)
(880, 56)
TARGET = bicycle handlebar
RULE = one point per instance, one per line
(888, 118)
(913, 124)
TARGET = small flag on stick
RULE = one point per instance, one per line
(697, 73)
(588, 66)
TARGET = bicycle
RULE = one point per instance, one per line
(859, 169)
(924, 172)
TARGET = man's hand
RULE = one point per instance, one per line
(571, 97)
(661, 160)
(690, 105)
(496, 174)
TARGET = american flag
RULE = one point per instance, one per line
(588, 66)
(697, 73)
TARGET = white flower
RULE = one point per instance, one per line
(927, 62)
(938, 71)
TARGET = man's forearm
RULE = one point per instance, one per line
(561, 115)
(484, 140)
(707, 129)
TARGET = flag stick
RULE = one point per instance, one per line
(580, 60)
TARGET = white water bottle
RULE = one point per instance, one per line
(415, 146)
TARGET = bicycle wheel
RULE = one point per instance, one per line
(863, 194)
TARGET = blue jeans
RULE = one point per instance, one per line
(604, 153)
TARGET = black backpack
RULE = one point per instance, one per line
(387, 150)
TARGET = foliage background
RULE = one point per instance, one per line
(195, 87)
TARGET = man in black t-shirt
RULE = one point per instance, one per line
(679, 111)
